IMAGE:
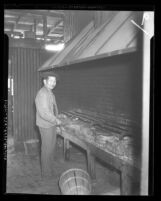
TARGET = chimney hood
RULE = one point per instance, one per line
(118, 35)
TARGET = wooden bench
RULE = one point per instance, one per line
(128, 172)
(67, 138)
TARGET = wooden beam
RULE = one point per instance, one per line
(91, 165)
(9, 19)
(18, 19)
(66, 149)
(149, 27)
(34, 12)
(34, 26)
(55, 38)
(44, 26)
(57, 32)
(54, 27)
(23, 27)
(19, 26)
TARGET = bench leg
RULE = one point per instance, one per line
(91, 165)
(125, 183)
(66, 149)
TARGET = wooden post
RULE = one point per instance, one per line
(125, 183)
(91, 165)
(148, 22)
(66, 149)
(45, 27)
(35, 26)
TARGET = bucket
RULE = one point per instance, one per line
(75, 182)
(31, 147)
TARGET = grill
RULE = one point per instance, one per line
(115, 125)
(110, 133)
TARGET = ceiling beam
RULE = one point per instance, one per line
(51, 37)
(54, 27)
(45, 26)
(16, 21)
(34, 26)
(9, 20)
(52, 11)
(35, 13)
(22, 27)
(19, 19)
(57, 32)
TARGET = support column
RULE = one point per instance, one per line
(91, 165)
(66, 149)
(125, 183)
(148, 22)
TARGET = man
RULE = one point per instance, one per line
(46, 120)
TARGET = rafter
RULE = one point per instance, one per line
(35, 13)
(47, 23)
(54, 27)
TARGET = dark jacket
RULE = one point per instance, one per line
(46, 108)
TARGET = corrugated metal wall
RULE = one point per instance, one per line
(24, 65)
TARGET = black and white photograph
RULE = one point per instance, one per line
(78, 107)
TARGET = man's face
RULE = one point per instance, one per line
(50, 83)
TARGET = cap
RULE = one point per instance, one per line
(47, 74)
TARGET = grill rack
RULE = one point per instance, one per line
(100, 124)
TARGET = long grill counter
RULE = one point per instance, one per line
(115, 149)
(120, 126)
(97, 130)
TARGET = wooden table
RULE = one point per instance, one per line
(128, 172)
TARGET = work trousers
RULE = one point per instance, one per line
(48, 142)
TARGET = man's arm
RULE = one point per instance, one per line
(56, 107)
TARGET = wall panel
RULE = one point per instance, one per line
(24, 65)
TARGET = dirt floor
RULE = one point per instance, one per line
(23, 173)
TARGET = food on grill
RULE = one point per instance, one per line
(108, 141)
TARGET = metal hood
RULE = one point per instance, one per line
(117, 35)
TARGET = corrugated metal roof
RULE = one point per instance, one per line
(116, 36)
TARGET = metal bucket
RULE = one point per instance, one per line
(75, 182)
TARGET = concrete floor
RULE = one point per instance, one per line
(23, 173)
